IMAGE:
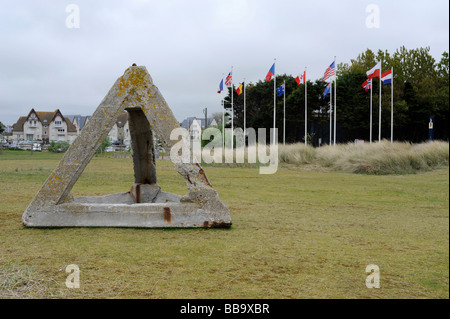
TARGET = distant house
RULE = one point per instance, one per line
(195, 125)
(79, 121)
(45, 127)
(120, 132)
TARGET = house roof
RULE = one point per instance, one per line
(44, 118)
(188, 122)
(70, 126)
(81, 119)
(122, 119)
(18, 126)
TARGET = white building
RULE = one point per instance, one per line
(196, 125)
(120, 132)
(45, 127)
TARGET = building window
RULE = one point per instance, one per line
(29, 137)
(58, 123)
(61, 130)
(45, 133)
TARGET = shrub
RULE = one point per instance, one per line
(58, 147)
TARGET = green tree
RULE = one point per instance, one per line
(105, 143)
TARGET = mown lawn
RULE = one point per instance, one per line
(295, 234)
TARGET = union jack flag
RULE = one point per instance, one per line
(228, 79)
(329, 72)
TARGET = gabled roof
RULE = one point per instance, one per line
(81, 119)
(188, 122)
(45, 118)
(70, 126)
(18, 126)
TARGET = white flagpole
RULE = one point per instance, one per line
(392, 105)
(223, 119)
(331, 110)
(245, 124)
(306, 109)
(379, 111)
(223, 125)
(274, 100)
(370, 139)
(335, 76)
(232, 109)
(284, 112)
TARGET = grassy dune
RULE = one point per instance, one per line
(296, 234)
(376, 158)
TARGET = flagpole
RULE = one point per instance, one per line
(331, 111)
(223, 118)
(306, 109)
(245, 124)
(370, 139)
(232, 110)
(335, 76)
(392, 104)
(284, 112)
(274, 100)
(379, 111)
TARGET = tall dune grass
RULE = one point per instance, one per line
(376, 158)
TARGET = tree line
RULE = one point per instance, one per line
(421, 91)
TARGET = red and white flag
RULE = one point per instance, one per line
(374, 72)
(229, 79)
(301, 79)
(330, 72)
(367, 85)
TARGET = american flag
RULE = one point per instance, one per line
(228, 79)
(329, 72)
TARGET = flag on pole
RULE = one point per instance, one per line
(367, 85)
(270, 73)
(329, 72)
(374, 72)
(228, 79)
(386, 77)
(239, 89)
(327, 90)
(301, 79)
(280, 90)
(220, 87)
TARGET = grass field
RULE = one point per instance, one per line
(296, 234)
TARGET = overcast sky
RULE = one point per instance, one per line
(188, 45)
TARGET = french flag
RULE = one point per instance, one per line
(386, 77)
(220, 87)
(270, 73)
(374, 72)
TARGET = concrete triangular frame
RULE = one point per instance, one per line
(145, 205)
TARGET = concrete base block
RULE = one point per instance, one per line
(148, 215)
